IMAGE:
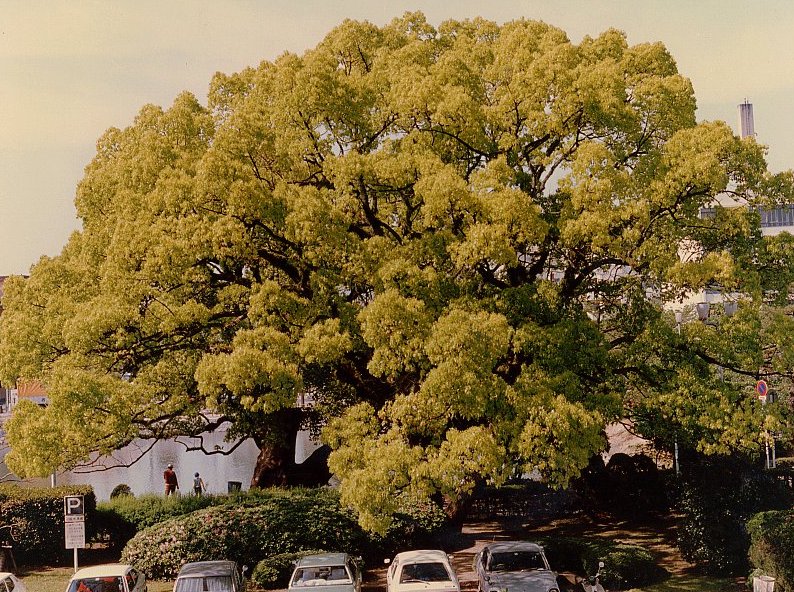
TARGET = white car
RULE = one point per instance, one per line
(420, 571)
(10, 583)
(110, 577)
(517, 566)
(325, 572)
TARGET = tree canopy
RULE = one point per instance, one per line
(455, 241)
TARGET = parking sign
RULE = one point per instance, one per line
(73, 508)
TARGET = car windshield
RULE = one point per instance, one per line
(320, 575)
(516, 561)
(204, 584)
(104, 584)
(424, 572)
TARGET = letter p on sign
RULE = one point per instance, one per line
(73, 508)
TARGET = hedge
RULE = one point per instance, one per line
(123, 516)
(772, 546)
(716, 498)
(36, 515)
(625, 565)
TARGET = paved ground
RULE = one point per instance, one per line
(657, 536)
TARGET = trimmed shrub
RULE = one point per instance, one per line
(247, 533)
(274, 572)
(772, 546)
(147, 510)
(120, 489)
(716, 497)
(625, 565)
(123, 516)
(36, 515)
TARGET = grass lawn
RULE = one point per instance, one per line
(55, 579)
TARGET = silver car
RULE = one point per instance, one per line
(326, 572)
(214, 576)
(517, 566)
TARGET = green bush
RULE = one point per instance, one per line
(36, 515)
(772, 546)
(260, 527)
(120, 489)
(415, 525)
(123, 516)
(274, 572)
(716, 497)
(625, 566)
(147, 510)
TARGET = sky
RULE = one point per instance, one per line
(70, 69)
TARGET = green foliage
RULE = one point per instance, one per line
(123, 516)
(447, 236)
(259, 524)
(772, 546)
(36, 518)
(716, 497)
(625, 565)
(121, 489)
(274, 572)
(246, 533)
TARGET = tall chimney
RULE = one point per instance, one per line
(746, 124)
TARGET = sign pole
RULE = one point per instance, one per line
(74, 523)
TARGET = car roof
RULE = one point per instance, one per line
(99, 571)
(421, 556)
(319, 559)
(206, 568)
(508, 546)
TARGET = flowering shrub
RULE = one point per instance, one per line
(246, 533)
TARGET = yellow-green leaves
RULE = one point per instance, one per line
(450, 242)
(396, 328)
(261, 370)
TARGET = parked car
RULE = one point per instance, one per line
(10, 583)
(334, 572)
(517, 566)
(210, 576)
(110, 577)
(426, 570)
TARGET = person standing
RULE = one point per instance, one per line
(171, 483)
(198, 484)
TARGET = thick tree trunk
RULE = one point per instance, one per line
(275, 464)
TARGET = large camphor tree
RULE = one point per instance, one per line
(454, 243)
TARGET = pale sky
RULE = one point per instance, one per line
(70, 69)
